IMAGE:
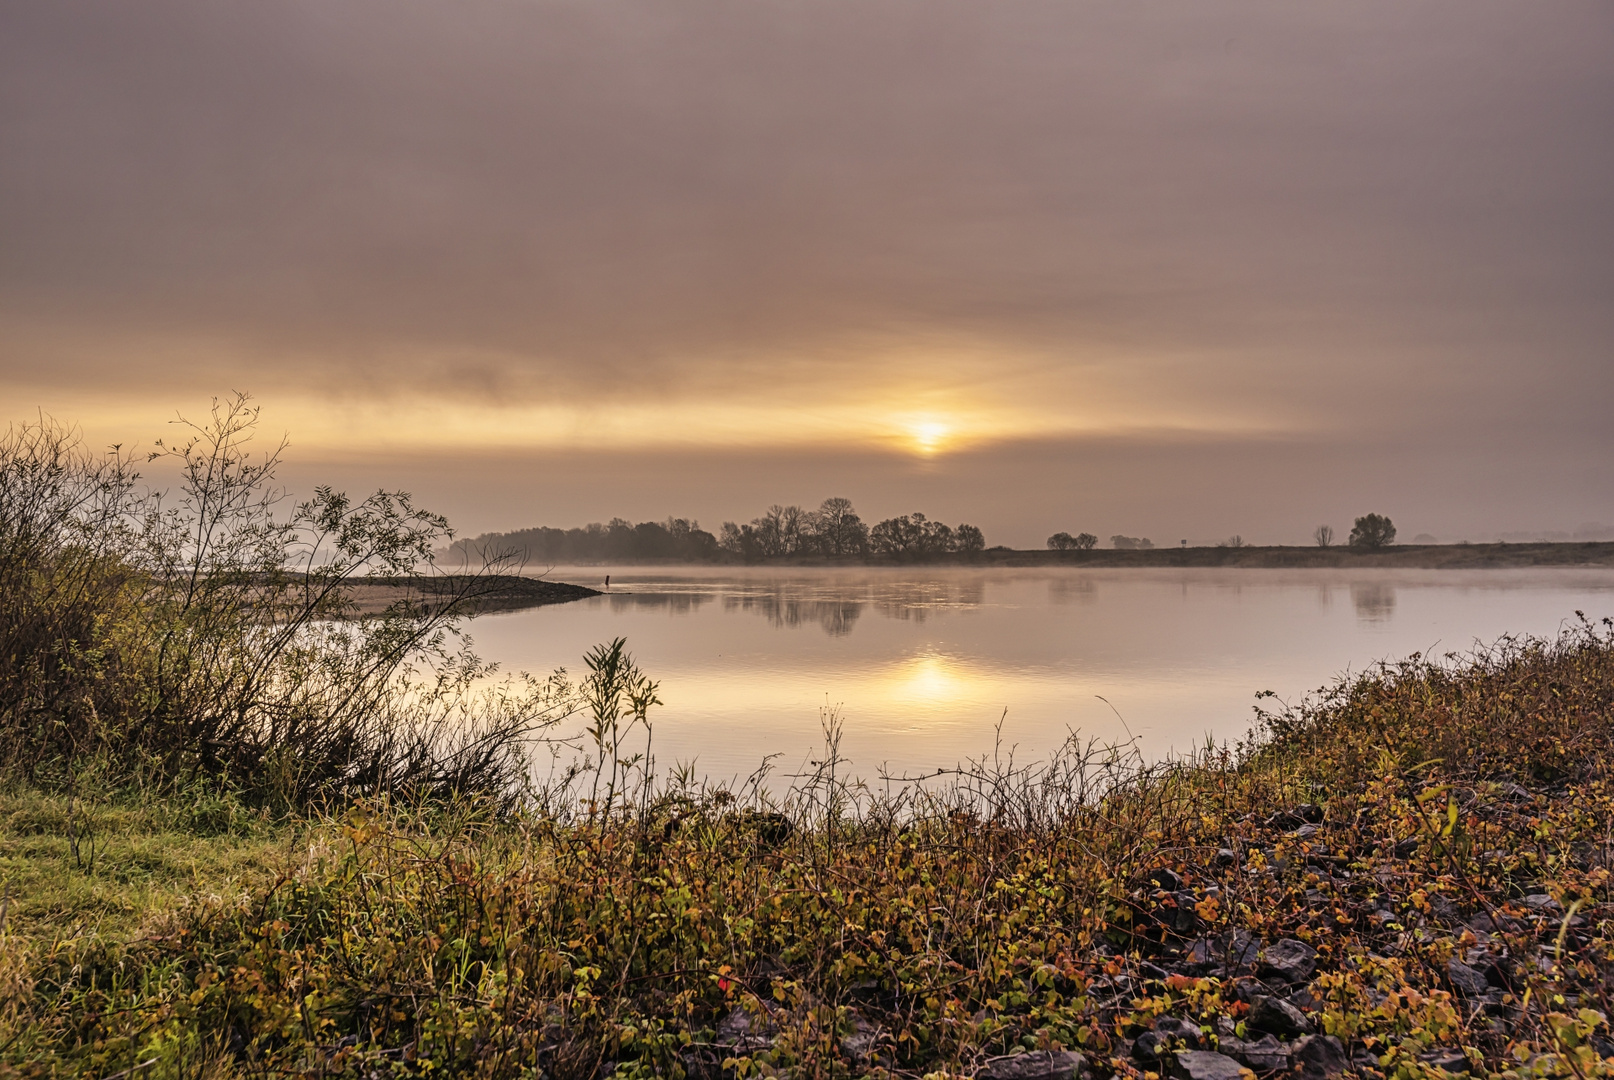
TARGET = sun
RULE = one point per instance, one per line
(929, 435)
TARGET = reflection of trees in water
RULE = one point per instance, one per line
(1374, 600)
(914, 601)
(784, 609)
(1072, 590)
(676, 603)
(794, 604)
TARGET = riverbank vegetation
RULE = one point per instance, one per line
(214, 630)
(1406, 877)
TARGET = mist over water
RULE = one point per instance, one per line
(923, 664)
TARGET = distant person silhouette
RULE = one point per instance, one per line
(607, 581)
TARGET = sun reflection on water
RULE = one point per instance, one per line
(928, 679)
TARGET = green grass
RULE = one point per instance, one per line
(134, 858)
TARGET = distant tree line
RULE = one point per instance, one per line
(834, 530)
(1368, 531)
(619, 540)
(1064, 541)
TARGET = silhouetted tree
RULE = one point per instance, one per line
(837, 529)
(898, 536)
(1372, 531)
(1130, 543)
(769, 530)
(793, 530)
(1063, 541)
(741, 540)
(934, 537)
(780, 531)
(914, 536)
(1324, 535)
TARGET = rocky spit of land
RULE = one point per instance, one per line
(473, 594)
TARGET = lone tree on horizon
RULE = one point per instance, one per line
(1372, 531)
(1324, 535)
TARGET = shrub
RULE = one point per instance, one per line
(1372, 531)
(213, 633)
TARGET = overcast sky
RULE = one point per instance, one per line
(1179, 270)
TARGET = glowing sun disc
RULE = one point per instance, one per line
(929, 435)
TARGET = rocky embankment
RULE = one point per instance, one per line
(1311, 947)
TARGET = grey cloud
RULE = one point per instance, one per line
(1346, 214)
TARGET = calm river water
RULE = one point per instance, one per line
(923, 663)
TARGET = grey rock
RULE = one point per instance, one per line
(1304, 814)
(1201, 955)
(1319, 1055)
(1290, 960)
(1277, 1016)
(1239, 951)
(1207, 1065)
(1265, 1054)
(1169, 1032)
(1306, 832)
(1466, 980)
(1444, 910)
(1542, 904)
(1187, 1032)
(1491, 922)
(1405, 849)
(1149, 1047)
(862, 1040)
(743, 1031)
(1446, 1059)
(1179, 913)
(1162, 878)
(1037, 1065)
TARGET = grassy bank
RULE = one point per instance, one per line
(1396, 556)
(1407, 876)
